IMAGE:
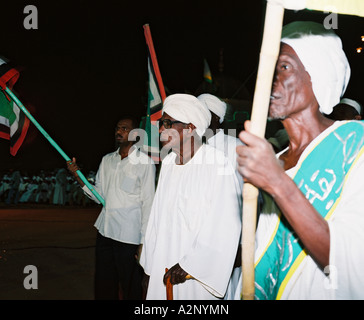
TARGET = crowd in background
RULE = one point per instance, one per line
(54, 187)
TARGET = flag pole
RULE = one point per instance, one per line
(268, 58)
(53, 143)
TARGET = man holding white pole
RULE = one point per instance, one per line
(310, 231)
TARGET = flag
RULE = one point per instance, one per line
(351, 7)
(206, 72)
(154, 68)
(156, 96)
(17, 118)
(151, 140)
(13, 122)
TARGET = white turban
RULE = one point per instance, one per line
(188, 109)
(214, 104)
(321, 53)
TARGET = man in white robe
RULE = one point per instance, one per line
(217, 138)
(347, 109)
(316, 183)
(194, 225)
(215, 133)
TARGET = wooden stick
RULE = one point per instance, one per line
(268, 58)
(169, 288)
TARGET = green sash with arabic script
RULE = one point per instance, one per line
(320, 177)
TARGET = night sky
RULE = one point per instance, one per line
(86, 64)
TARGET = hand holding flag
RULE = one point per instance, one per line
(11, 114)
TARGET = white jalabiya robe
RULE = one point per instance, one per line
(346, 280)
(195, 221)
(228, 144)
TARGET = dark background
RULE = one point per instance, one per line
(86, 64)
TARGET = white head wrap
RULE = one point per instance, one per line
(352, 103)
(188, 109)
(214, 104)
(321, 53)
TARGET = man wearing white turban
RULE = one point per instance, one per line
(347, 109)
(322, 56)
(310, 235)
(194, 225)
(215, 134)
(227, 143)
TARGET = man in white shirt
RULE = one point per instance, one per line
(194, 226)
(126, 181)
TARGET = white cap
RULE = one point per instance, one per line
(188, 109)
(352, 103)
(321, 53)
(214, 104)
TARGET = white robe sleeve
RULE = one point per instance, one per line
(149, 243)
(347, 238)
(210, 260)
(150, 236)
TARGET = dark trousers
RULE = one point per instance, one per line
(117, 273)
